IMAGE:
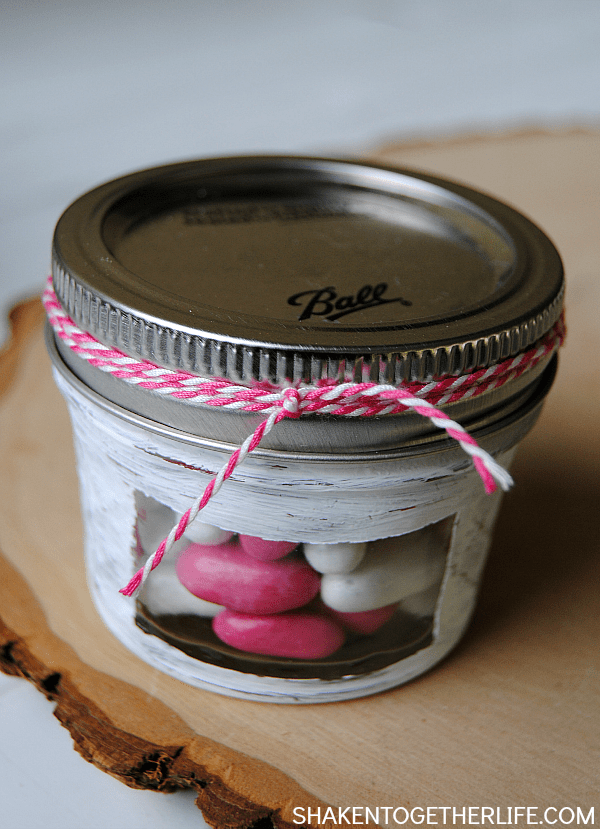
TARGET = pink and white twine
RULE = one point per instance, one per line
(346, 399)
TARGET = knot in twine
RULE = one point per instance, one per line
(343, 399)
(291, 402)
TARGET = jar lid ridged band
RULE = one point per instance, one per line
(211, 357)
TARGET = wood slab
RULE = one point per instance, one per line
(511, 717)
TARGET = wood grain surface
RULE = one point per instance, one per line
(512, 716)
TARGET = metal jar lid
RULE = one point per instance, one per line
(292, 269)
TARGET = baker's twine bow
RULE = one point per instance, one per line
(345, 399)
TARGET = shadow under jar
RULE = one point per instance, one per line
(343, 556)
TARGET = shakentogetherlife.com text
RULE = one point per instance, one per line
(445, 816)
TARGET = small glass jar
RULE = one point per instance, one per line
(343, 555)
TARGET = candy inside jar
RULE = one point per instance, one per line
(333, 609)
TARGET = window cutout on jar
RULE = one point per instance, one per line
(375, 606)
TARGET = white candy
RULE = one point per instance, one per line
(334, 558)
(154, 522)
(200, 533)
(423, 603)
(393, 569)
(163, 593)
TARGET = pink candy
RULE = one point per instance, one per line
(226, 575)
(300, 635)
(266, 550)
(262, 592)
(365, 621)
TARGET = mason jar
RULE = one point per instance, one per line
(340, 554)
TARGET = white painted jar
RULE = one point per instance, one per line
(274, 273)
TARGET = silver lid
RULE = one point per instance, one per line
(293, 269)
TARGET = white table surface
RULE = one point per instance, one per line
(92, 90)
